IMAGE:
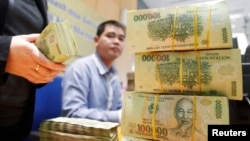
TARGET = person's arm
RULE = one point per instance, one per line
(117, 101)
(75, 94)
(20, 56)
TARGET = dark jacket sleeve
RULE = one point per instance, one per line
(4, 51)
(4, 42)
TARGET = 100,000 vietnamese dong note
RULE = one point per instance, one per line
(57, 42)
(172, 117)
(190, 27)
(204, 72)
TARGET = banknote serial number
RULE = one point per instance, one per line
(153, 58)
(148, 16)
(148, 129)
(218, 109)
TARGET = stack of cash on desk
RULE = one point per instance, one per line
(57, 42)
(186, 69)
(77, 129)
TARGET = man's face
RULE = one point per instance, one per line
(184, 113)
(111, 43)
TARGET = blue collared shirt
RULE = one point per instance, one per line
(90, 90)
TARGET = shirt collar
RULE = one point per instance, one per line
(101, 66)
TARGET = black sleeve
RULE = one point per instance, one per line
(4, 41)
(3, 11)
(4, 52)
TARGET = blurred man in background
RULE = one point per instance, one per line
(90, 86)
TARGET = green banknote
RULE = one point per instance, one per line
(57, 42)
(190, 27)
(172, 117)
(203, 72)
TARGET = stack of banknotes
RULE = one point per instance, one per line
(186, 70)
(171, 117)
(57, 42)
(190, 27)
(77, 129)
(203, 72)
(185, 50)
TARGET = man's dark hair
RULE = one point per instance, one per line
(102, 26)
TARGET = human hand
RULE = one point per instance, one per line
(27, 61)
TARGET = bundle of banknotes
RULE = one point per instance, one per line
(186, 70)
(190, 27)
(203, 72)
(57, 42)
(77, 129)
(171, 117)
